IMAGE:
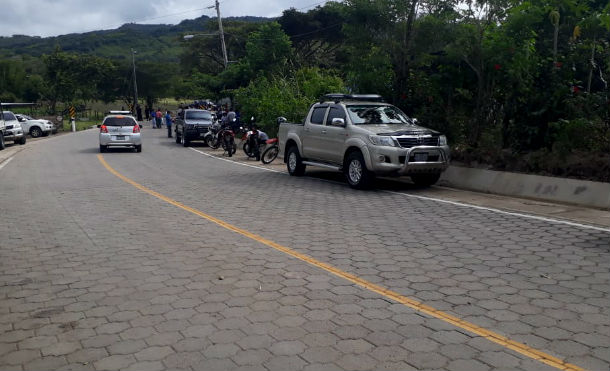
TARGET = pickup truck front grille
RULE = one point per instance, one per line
(408, 142)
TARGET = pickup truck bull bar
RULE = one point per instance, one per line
(414, 167)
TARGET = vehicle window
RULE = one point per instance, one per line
(119, 121)
(377, 114)
(317, 116)
(198, 115)
(8, 116)
(335, 112)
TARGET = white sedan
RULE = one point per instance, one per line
(35, 127)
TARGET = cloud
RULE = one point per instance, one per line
(58, 17)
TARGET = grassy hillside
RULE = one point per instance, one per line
(157, 42)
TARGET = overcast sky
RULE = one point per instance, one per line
(59, 17)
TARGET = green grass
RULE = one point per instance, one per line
(80, 125)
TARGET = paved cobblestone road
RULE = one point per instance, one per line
(98, 275)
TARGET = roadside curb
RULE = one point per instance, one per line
(564, 190)
(9, 153)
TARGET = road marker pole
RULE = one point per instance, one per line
(73, 118)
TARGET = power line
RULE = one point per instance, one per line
(299, 35)
(307, 6)
(312, 5)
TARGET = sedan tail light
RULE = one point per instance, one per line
(103, 129)
(136, 128)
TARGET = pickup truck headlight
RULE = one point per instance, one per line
(442, 140)
(380, 140)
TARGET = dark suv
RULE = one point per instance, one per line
(192, 125)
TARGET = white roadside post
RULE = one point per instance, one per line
(73, 118)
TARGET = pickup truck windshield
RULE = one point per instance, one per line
(375, 115)
(198, 115)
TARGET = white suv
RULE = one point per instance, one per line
(34, 127)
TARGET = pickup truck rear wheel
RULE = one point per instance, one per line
(356, 173)
(425, 180)
(294, 163)
(178, 137)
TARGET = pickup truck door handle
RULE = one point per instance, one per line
(323, 131)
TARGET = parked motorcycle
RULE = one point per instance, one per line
(211, 137)
(250, 152)
(227, 138)
(271, 152)
(246, 139)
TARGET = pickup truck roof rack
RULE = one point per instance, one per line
(337, 97)
(119, 112)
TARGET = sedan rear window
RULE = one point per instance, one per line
(198, 115)
(119, 121)
(8, 116)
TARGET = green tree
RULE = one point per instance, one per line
(60, 77)
(268, 49)
(92, 73)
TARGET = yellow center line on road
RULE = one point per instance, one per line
(411, 303)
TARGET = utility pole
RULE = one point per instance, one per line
(222, 36)
(135, 82)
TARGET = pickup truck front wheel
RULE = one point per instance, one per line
(294, 163)
(356, 173)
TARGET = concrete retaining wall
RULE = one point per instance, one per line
(573, 191)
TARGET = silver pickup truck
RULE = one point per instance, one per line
(362, 136)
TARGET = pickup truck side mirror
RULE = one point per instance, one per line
(414, 120)
(99, 126)
(281, 120)
(141, 126)
(338, 122)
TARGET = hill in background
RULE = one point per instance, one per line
(158, 41)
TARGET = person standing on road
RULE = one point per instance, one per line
(147, 112)
(168, 123)
(139, 113)
(158, 118)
